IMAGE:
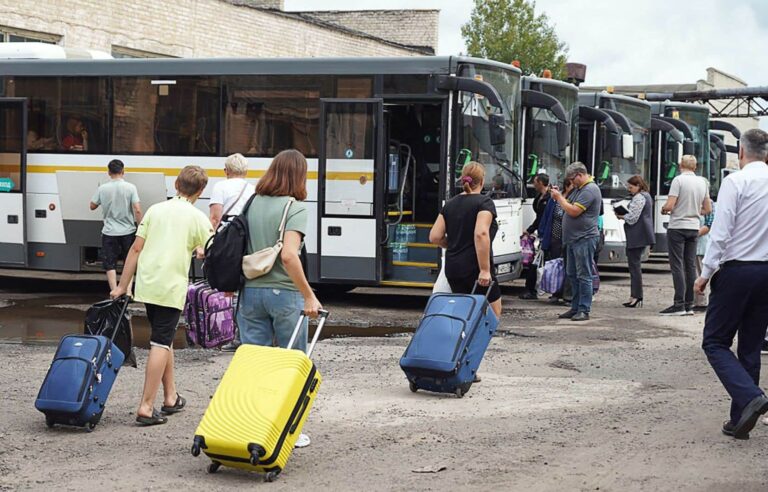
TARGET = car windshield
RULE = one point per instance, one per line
(612, 174)
(502, 174)
(544, 151)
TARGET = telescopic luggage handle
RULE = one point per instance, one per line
(323, 317)
(487, 293)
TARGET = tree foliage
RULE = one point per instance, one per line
(507, 30)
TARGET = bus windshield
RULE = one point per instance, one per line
(699, 123)
(545, 154)
(612, 174)
(501, 175)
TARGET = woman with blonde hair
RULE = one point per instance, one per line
(465, 228)
(270, 305)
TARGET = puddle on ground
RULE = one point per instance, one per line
(45, 320)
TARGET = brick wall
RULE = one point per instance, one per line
(190, 28)
(408, 27)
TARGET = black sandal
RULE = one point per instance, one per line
(177, 407)
(155, 419)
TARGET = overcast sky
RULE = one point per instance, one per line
(626, 41)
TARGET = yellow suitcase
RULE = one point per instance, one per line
(260, 407)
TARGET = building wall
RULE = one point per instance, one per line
(408, 27)
(189, 28)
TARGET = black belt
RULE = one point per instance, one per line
(733, 263)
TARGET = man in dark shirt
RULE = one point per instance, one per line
(541, 185)
(581, 234)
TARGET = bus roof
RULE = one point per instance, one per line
(530, 79)
(593, 99)
(244, 66)
(662, 105)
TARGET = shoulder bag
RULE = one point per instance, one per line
(260, 263)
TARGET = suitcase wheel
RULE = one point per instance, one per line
(271, 476)
(195, 450)
(214, 467)
(459, 392)
(413, 387)
(49, 422)
(90, 426)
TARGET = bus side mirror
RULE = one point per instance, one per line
(627, 146)
(680, 152)
(689, 148)
(498, 129)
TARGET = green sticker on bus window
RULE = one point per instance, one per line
(6, 185)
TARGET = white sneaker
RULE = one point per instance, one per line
(303, 441)
(765, 420)
(689, 312)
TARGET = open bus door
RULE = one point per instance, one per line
(350, 173)
(13, 177)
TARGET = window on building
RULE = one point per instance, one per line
(166, 116)
(13, 35)
(268, 114)
(123, 52)
(67, 114)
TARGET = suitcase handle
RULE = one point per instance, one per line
(323, 317)
(487, 293)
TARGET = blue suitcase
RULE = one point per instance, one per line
(82, 373)
(448, 346)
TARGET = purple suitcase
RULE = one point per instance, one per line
(209, 315)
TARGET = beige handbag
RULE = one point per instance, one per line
(260, 263)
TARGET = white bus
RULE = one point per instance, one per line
(385, 139)
(612, 162)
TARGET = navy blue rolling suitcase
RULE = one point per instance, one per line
(448, 346)
(82, 373)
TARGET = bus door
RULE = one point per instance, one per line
(349, 178)
(13, 167)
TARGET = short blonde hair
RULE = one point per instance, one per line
(688, 162)
(191, 180)
(236, 164)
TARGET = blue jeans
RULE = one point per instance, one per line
(268, 317)
(578, 269)
(737, 308)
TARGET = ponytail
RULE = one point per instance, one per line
(472, 176)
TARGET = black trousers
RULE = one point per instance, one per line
(737, 307)
(682, 262)
(634, 260)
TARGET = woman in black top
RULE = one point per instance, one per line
(466, 227)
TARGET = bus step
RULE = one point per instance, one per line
(417, 264)
(401, 283)
(411, 271)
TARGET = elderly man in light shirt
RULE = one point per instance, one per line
(737, 265)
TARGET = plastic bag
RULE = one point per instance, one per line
(101, 319)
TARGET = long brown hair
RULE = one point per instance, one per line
(286, 176)
(638, 181)
(472, 176)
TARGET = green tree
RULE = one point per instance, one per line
(507, 30)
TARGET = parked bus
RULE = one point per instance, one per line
(612, 160)
(550, 125)
(718, 152)
(692, 120)
(385, 139)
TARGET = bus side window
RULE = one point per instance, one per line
(82, 125)
(178, 117)
(42, 116)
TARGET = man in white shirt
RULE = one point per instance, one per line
(688, 200)
(227, 200)
(737, 263)
(230, 195)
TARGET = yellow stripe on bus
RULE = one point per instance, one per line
(171, 172)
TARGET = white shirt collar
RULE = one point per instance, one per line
(754, 164)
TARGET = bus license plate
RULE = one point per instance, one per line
(504, 268)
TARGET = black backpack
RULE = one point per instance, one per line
(224, 253)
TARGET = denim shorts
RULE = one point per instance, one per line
(268, 317)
